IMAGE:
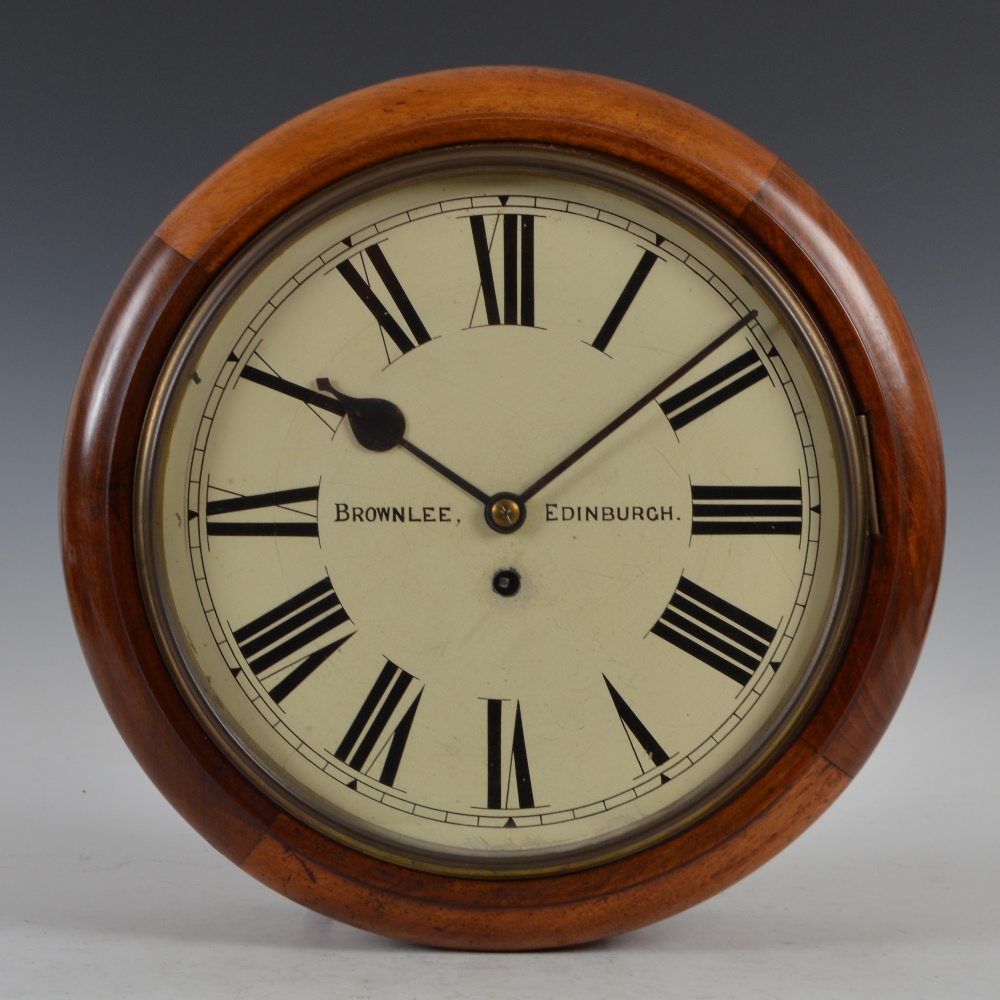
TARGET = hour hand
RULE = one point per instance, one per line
(379, 425)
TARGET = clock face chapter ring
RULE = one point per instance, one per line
(518, 524)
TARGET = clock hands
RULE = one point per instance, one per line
(464, 484)
(379, 425)
(676, 375)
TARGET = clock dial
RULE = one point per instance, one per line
(500, 518)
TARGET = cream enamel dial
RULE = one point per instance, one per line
(539, 683)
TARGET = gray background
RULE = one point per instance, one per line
(111, 112)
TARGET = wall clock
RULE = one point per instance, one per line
(502, 507)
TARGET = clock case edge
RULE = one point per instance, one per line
(756, 194)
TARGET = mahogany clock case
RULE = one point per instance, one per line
(752, 192)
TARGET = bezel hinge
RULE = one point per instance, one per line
(871, 496)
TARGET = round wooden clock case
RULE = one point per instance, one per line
(506, 118)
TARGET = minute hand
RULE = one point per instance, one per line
(677, 374)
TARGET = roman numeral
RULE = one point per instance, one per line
(714, 631)
(746, 510)
(517, 240)
(639, 736)
(291, 522)
(629, 292)
(363, 746)
(416, 333)
(498, 792)
(312, 397)
(271, 643)
(707, 393)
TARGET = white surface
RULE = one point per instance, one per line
(105, 892)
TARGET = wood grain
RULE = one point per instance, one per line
(865, 325)
(493, 103)
(102, 438)
(746, 186)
